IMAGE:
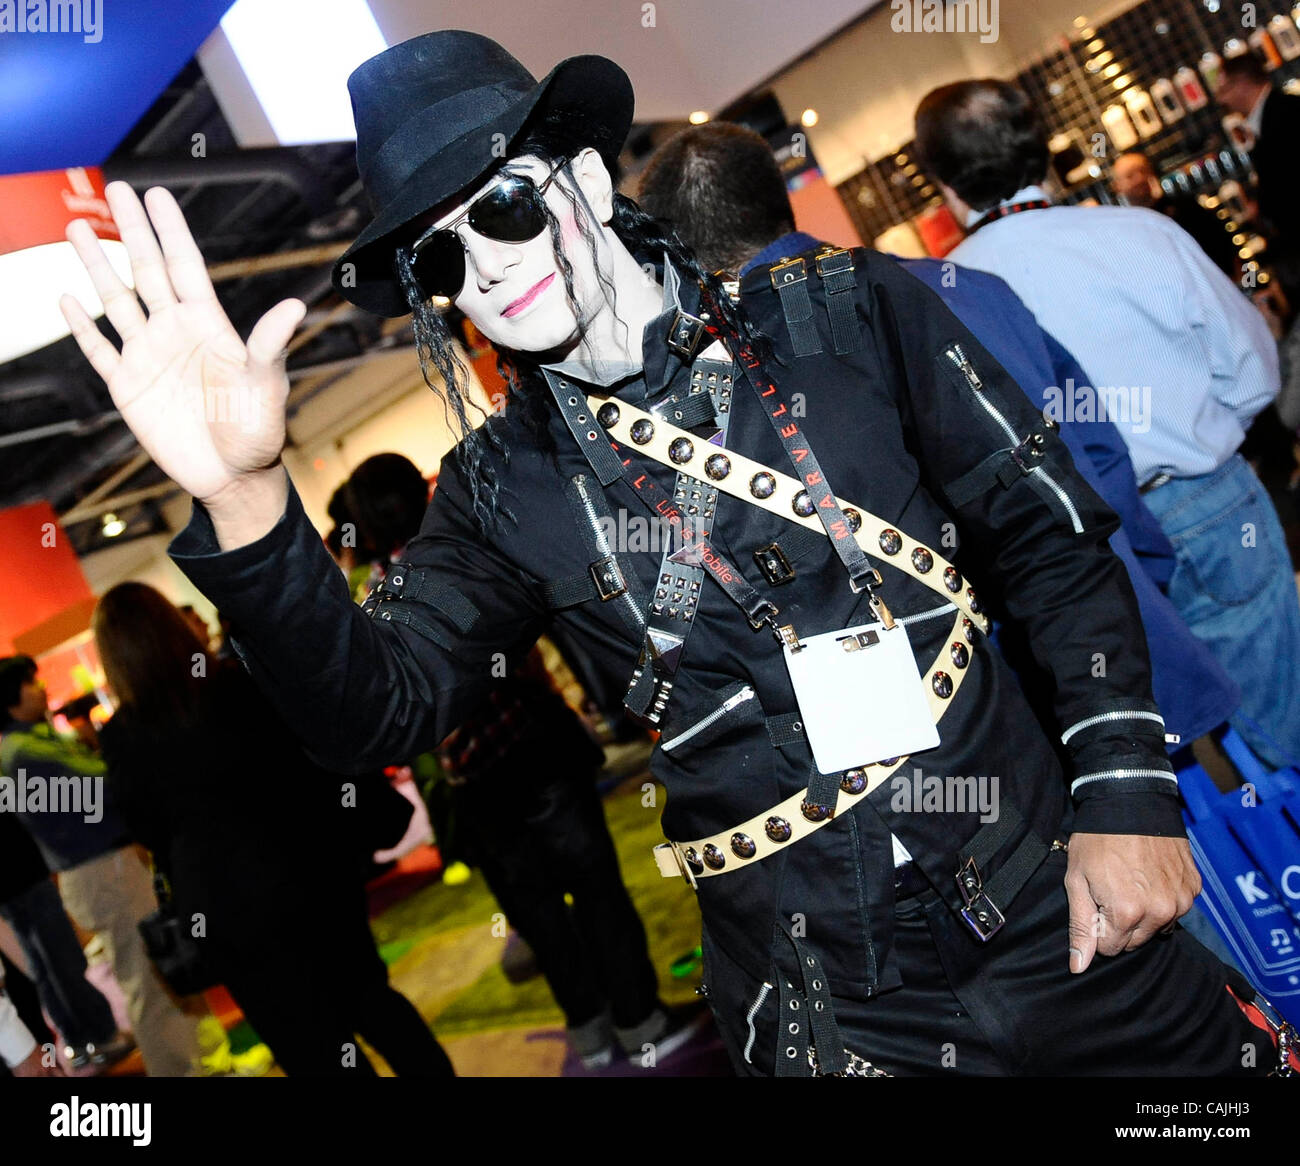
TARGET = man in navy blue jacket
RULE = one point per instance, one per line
(1193, 691)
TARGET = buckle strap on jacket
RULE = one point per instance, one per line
(985, 904)
(418, 585)
(1004, 467)
(790, 279)
(835, 266)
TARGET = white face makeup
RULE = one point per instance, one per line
(514, 292)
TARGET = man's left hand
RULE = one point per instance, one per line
(1123, 889)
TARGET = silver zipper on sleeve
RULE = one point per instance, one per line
(959, 358)
(746, 693)
(602, 543)
(1103, 718)
(1120, 774)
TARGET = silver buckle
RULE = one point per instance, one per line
(981, 913)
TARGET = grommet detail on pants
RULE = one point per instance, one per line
(778, 829)
(742, 845)
(608, 415)
(681, 450)
(642, 431)
(762, 485)
(922, 560)
(803, 505)
(714, 859)
(891, 542)
(952, 579)
(717, 466)
(793, 1029)
(960, 654)
(942, 683)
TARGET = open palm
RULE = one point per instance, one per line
(208, 408)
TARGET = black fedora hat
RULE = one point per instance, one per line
(434, 115)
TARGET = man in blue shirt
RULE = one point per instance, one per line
(1181, 361)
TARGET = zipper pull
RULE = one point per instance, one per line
(882, 612)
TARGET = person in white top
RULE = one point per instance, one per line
(1182, 364)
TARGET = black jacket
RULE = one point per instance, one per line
(892, 424)
(263, 843)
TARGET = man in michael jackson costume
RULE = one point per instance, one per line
(843, 469)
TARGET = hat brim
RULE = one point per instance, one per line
(593, 90)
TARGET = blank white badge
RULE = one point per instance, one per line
(860, 696)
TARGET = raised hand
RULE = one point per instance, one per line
(208, 408)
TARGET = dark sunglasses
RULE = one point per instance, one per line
(513, 211)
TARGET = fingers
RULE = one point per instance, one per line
(271, 334)
(102, 355)
(120, 305)
(185, 267)
(1083, 912)
(151, 280)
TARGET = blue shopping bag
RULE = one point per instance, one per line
(1247, 847)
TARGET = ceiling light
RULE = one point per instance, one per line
(297, 57)
(699, 117)
(113, 526)
(808, 118)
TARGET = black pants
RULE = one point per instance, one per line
(537, 837)
(58, 965)
(1012, 1007)
(309, 992)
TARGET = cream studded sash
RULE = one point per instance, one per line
(782, 494)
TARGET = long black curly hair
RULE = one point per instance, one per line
(552, 140)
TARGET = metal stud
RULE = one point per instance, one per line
(743, 846)
(922, 560)
(717, 466)
(693, 860)
(762, 485)
(607, 414)
(952, 579)
(854, 781)
(814, 812)
(778, 829)
(681, 450)
(891, 542)
(642, 431)
(888, 761)
(968, 630)
(803, 505)
(714, 859)
(855, 519)
(960, 654)
(974, 603)
(942, 683)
